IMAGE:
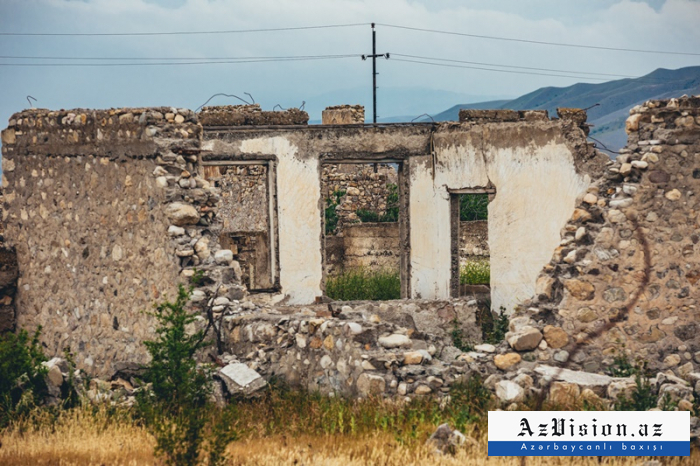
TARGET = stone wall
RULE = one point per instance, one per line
(107, 214)
(109, 209)
(343, 115)
(250, 115)
(624, 279)
(364, 189)
(473, 240)
(377, 245)
(397, 348)
(244, 196)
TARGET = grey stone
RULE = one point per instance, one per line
(525, 339)
(370, 384)
(445, 440)
(181, 214)
(395, 341)
(584, 379)
(223, 256)
(239, 378)
(509, 392)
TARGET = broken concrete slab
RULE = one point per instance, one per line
(240, 378)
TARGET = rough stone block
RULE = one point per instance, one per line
(240, 378)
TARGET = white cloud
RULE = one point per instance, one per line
(624, 23)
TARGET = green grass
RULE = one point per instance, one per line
(364, 284)
(475, 272)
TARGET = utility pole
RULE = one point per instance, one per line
(374, 72)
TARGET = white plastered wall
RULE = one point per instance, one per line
(536, 190)
(299, 218)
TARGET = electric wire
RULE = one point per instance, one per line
(538, 42)
(511, 66)
(498, 71)
(175, 63)
(178, 33)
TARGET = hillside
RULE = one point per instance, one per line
(615, 98)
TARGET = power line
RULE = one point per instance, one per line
(556, 44)
(177, 33)
(499, 71)
(513, 66)
(19, 57)
(321, 57)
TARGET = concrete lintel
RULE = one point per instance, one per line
(472, 191)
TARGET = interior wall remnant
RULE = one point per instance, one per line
(299, 211)
(537, 184)
(245, 219)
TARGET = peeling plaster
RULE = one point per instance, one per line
(299, 214)
(536, 188)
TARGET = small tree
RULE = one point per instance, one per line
(177, 408)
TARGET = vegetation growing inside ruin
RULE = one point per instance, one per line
(330, 213)
(22, 374)
(475, 272)
(640, 399)
(494, 325)
(458, 339)
(473, 207)
(176, 409)
(391, 213)
(363, 283)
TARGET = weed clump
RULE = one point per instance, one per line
(364, 284)
(22, 374)
(475, 272)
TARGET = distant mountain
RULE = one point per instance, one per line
(615, 98)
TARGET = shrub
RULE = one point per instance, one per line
(641, 398)
(364, 284)
(176, 409)
(391, 214)
(458, 340)
(494, 326)
(469, 402)
(330, 214)
(367, 216)
(475, 272)
(473, 207)
(22, 374)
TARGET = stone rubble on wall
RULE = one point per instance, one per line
(250, 115)
(343, 115)
(398, 348)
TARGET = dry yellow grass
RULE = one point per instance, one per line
(80, 437)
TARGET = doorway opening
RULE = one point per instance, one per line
(363, 225)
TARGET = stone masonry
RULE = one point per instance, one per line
(624, 279)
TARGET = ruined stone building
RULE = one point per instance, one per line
(107, 210)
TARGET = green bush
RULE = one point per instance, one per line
(469, 402)
(330, 214)
(458, 339)
(364, 284)
(176, 409)
(475, 272)
(494, 326)
(391, 214)
(641, 399)
(367, 216)
(473, 207)
(22, 374)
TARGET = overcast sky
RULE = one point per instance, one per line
(670, 25)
